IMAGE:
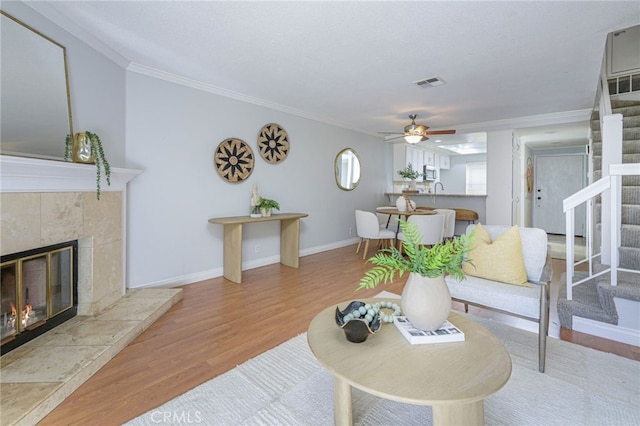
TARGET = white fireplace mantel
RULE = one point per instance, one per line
(22, 174)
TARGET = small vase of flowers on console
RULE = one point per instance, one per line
(425, 300)
(266, 205)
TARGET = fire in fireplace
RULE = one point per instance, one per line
(38, 291)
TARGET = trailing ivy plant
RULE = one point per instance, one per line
(97, 152)
(442, 258)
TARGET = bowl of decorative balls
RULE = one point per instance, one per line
(359, 319)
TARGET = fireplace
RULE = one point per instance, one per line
(38, 291)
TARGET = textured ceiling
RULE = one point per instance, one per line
(353, 63)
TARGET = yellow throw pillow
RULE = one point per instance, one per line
(500, 260)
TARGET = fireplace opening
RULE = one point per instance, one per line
(38, 291)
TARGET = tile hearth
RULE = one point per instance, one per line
(39, 375)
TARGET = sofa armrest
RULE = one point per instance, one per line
(547, 272)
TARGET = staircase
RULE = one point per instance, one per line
(630, 236)
(594, 299)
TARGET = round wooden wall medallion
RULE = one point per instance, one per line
(234, 160)
(273, 143)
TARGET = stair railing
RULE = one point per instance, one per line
(610, 185)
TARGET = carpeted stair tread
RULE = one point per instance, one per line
(622, 103)
(585, 303)
(628, 147)
(630, 214)
(628, 133)
(628, 287)
(633, 180)
(631, 120)
(630, 195)
(630, 258)
(630, 236)
(594, 299)
(630, 158)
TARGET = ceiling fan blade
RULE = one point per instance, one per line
(394, 139)
(390, 133)
(440, 132)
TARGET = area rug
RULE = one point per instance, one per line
(287, 386)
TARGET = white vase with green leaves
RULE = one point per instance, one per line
(425, 299)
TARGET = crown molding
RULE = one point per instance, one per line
(71, 26)
(210, 88)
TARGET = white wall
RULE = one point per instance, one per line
(499, 179)
(172, 132)
(455, 179)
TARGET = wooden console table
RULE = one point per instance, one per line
(289, 240)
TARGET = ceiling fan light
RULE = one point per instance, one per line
(413, 139)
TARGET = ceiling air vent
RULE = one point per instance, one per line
(430, 82)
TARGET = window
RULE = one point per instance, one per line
(476, 178)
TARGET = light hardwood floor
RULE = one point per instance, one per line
(220, 324)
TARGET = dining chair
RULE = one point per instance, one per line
(368, 228)
(449, 222)
(431, 227)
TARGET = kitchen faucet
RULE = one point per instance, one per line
(435, 192)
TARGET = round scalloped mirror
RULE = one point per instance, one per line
(347, 167)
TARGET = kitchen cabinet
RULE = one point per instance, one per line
(445, 162)
(403, 155)
(429, 159)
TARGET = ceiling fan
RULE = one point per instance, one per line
(414, 133)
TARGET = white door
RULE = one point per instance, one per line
(557, 177)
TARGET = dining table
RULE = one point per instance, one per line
(406, 213)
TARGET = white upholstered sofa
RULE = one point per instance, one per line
(531, 303)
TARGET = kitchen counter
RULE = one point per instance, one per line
(426, 194)
(476, 203)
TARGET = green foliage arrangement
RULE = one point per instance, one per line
(442, 258)
(409, 173)
(265, 203)
(97, 152)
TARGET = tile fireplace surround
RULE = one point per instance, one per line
(44, 202)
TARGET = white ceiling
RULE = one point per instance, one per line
(353, 63)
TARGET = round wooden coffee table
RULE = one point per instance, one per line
(454, 378)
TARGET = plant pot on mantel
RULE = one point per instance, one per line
(86, 148)
(81, 149)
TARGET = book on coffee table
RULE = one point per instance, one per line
(446, 333)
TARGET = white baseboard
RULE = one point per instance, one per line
(607, 331)
(327, 247)
(218, 272)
